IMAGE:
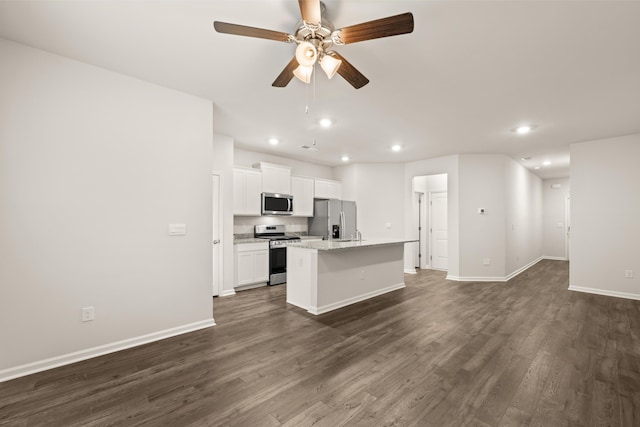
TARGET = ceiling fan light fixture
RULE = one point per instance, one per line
(306, 54)
(330, 65)
(303, 73)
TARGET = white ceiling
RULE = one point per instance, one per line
(468, 74)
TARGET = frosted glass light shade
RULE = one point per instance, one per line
(303, 73)
(306, 54)
(330, 65)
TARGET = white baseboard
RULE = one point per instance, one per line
(494, 278)
(521, 269)
(349, 301)
(410, 271)
(67, 359)
(228, 292)
(555, 258)
(605, 292)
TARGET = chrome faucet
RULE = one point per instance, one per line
(358, 236)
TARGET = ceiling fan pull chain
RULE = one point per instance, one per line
(306, 99)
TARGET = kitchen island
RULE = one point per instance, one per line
(326, 275)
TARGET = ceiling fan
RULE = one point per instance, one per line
(315, 38)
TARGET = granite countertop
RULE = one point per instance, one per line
(331, 245)
(248, 238)
(241, 240)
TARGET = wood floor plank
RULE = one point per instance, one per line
(436, 353)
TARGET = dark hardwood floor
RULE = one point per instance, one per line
(437, 353)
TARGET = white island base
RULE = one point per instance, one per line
(327, 276)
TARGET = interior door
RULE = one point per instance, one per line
(217, 233)
(567, 241)
(439, 256)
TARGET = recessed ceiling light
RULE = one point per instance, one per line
(345, 158)
(396, 147)
(537, 167)
(546, 163)
(325, 123)
(274, 141)
(523, 129)
(525, 158)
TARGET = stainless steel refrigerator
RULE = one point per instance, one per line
(333, 219)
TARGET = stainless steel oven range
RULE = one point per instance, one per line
(277, 250)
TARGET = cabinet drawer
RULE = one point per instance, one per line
(248, 247)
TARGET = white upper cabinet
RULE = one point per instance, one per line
(247, 189)
(275, 178)
(328, 189)
(302, 191)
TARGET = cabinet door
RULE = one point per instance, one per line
(321, 189)
(261, 266)
(276, 179)
(302, 191)
(328, 189)
(245, 268)
(253, 190)
(335, 190)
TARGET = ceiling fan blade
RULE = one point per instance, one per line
(385, 27)
(286, 75)
(310, 10)
(350, 73)
(242, 30)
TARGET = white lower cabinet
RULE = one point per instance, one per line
(251, 263)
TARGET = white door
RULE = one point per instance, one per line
(438, 230)
(217, 234)
(567, 241)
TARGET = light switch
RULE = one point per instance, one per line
(560, 224)
(387, 225)
(480, 211)
(177, 229)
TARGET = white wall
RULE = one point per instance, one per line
(248, 158)
(440, 165)
(378, 194)
(605, 216)
(554, 222)
(524, 215)
(509, 233)
(482, 185)
(93, 167)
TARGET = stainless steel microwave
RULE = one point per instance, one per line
(277, 204)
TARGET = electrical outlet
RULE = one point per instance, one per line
(628, 274)
(486, 261)
(361, 274)
(88, 314)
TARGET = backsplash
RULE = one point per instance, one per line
(244, 224)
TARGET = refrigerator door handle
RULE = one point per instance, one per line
(342, 224)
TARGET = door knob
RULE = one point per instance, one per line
(215, 242)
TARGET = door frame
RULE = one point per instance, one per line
(217, 273)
